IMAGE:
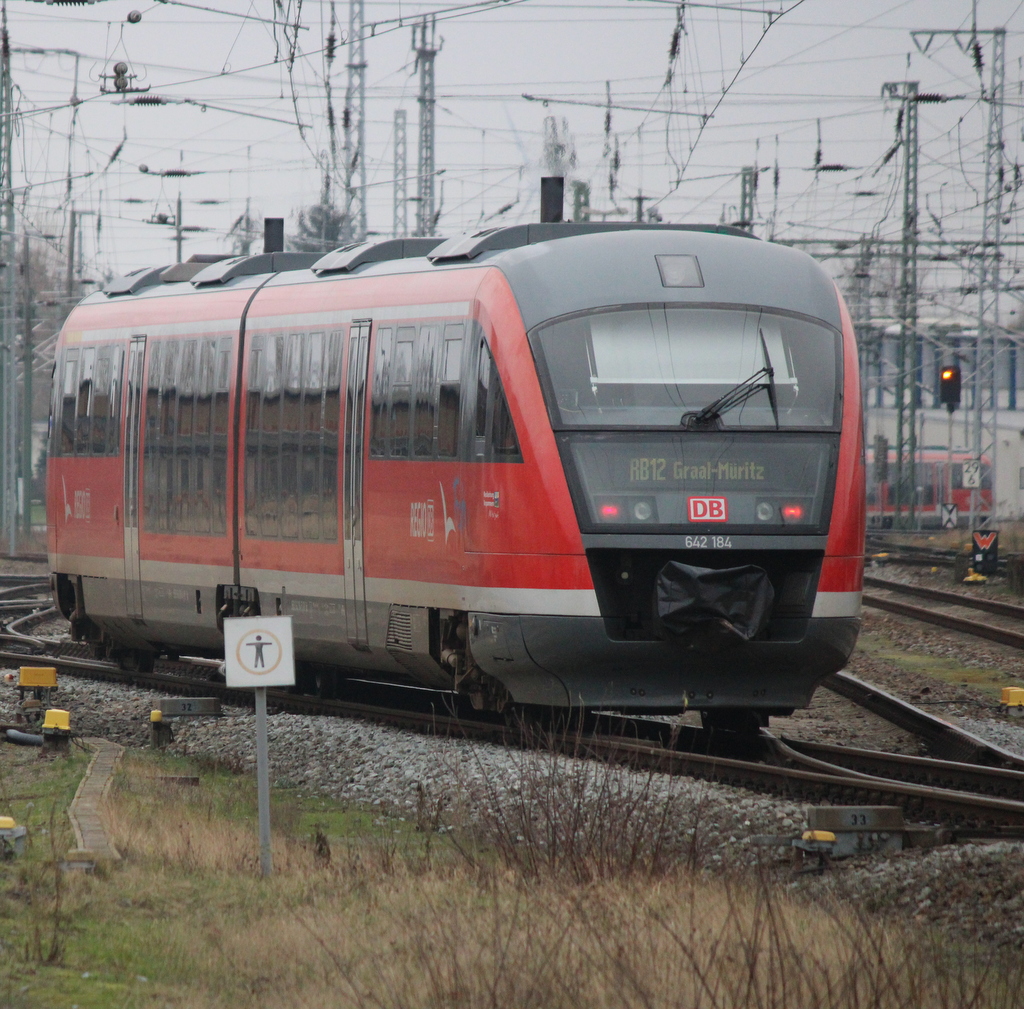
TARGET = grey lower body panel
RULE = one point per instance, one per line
(571, 660)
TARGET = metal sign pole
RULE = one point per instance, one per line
(258, 653)
(263, 781)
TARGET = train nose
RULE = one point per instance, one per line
(693, 603)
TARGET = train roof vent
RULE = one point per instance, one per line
(245, 266)
(187, 270)
(132, 283)
(470, 246)
(348, 257)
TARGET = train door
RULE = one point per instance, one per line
(133, 412)
(352, 461)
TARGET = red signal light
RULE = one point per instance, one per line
(609, 511)
(792, 512)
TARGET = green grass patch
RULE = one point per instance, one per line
(947, 670)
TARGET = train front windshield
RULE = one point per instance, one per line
(652, 366)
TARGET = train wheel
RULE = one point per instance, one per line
(744, 720)
(137, 660)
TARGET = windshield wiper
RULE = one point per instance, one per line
(770, 371)
(708, 419)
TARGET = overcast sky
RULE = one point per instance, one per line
(768, 91)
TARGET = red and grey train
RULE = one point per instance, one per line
(595, 466)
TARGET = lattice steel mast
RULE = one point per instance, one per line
(400, 217)
(908, 356)
(8, 368)
(355, 127)
(987, 259)
(424, 43)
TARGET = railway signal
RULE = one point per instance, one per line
(949, 387)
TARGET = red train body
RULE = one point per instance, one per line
(551, 465)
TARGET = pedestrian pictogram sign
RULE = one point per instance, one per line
(258, 652)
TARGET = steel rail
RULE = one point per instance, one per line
(962, 777)
(944, 740)
(834, 784)
(952, 598)
(1000, 635)
(985, 797)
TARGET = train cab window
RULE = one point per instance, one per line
(401, 391)
(449, 396)
(659, 366)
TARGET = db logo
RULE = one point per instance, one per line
(707, 509)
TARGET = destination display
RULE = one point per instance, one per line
(687, 479)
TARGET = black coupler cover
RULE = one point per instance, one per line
(729, 602)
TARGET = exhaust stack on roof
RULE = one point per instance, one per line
(552, 199)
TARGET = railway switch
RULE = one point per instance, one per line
(843, 831)
(1012, 697)
(56, 730)
(35, 686)
(160, 732)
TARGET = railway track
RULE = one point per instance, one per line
(992, 632)
(969, 785)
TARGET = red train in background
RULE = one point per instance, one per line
(565, 465)
(938, 483)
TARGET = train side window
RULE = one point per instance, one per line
(114, 409)
(312, 436)
(68, 401)
(270, 439)
(219, 475)
(426, 383)
(379, 428)
(185, 440)
(494, 434)
(291, 408)
(167, 480)
(202, 423)
(252, 436)
(151, 445)
(401, 391)
(483, 382)
(449, 397)
(957, 476)
(504, 443)
(332, 414)
(101, 402)
(84, 408)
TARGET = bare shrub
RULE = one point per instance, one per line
(549, 812)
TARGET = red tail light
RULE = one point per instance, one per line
(792, 512)
(609, 511)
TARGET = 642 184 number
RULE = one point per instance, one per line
(708, 542)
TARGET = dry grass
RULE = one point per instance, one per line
(541, 906)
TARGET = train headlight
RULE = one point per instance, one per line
(764, 511)
(642, 511)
